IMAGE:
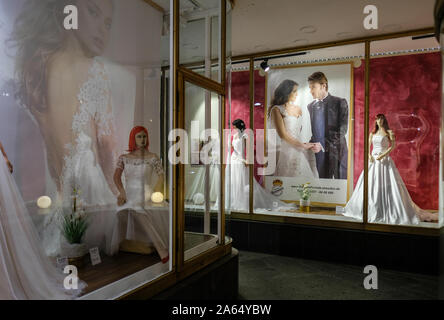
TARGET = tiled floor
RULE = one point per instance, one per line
(269, 277)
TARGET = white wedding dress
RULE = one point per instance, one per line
(25, 270)
(81, 170)
(389, 201)
(292, 161)
(138, 219)
(238, 187)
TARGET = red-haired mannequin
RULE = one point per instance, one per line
(138, 148)
(143, 176)
(135, 134)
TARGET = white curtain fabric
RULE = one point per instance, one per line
(25, 271)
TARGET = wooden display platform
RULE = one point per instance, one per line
(124, 264)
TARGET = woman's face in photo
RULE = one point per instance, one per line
(293, 94)
(95, 19)
(141, 140)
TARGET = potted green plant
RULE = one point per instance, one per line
(305, 191)
(74, 226)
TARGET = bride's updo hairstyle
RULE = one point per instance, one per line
(132, 146)
(282, 94)
(385, 124)
(239, 124)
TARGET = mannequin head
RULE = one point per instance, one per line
(380, 122)
(318, 84)
(239, 124)
(285, 92)
(138, 139)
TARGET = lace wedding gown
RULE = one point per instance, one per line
(292, 161)
(25, 270)
(389, 201)
(138, 219)
(239, 183)
(81, 169)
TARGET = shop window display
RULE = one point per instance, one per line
(319, 143)
(284, 121)
(410, 99)
(71, 99)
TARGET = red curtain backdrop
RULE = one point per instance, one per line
(407, 89)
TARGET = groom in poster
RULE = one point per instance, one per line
(329, 122)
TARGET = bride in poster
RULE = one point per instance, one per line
(292, 123)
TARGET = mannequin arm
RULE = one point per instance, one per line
(121, 199)
(391, 136)
(370, 140)
(282, 132)
(8, 163)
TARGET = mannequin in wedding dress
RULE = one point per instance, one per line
(388, 198)
(237, 173)
(137, 218)
(25, 271)
(64, 85)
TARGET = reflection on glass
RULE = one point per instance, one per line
(200, 37)
(202, 173)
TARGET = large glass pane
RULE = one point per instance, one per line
(200, 36)
(306, 138)
(202, 171)
(89, 178)
(239, 134)
(405, 122)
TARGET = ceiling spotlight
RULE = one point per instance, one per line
(265, 66)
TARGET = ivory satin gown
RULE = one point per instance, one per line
(389, 201)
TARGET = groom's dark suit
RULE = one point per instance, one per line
(329, 122)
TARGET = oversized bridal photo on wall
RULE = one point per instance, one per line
(310, 109)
